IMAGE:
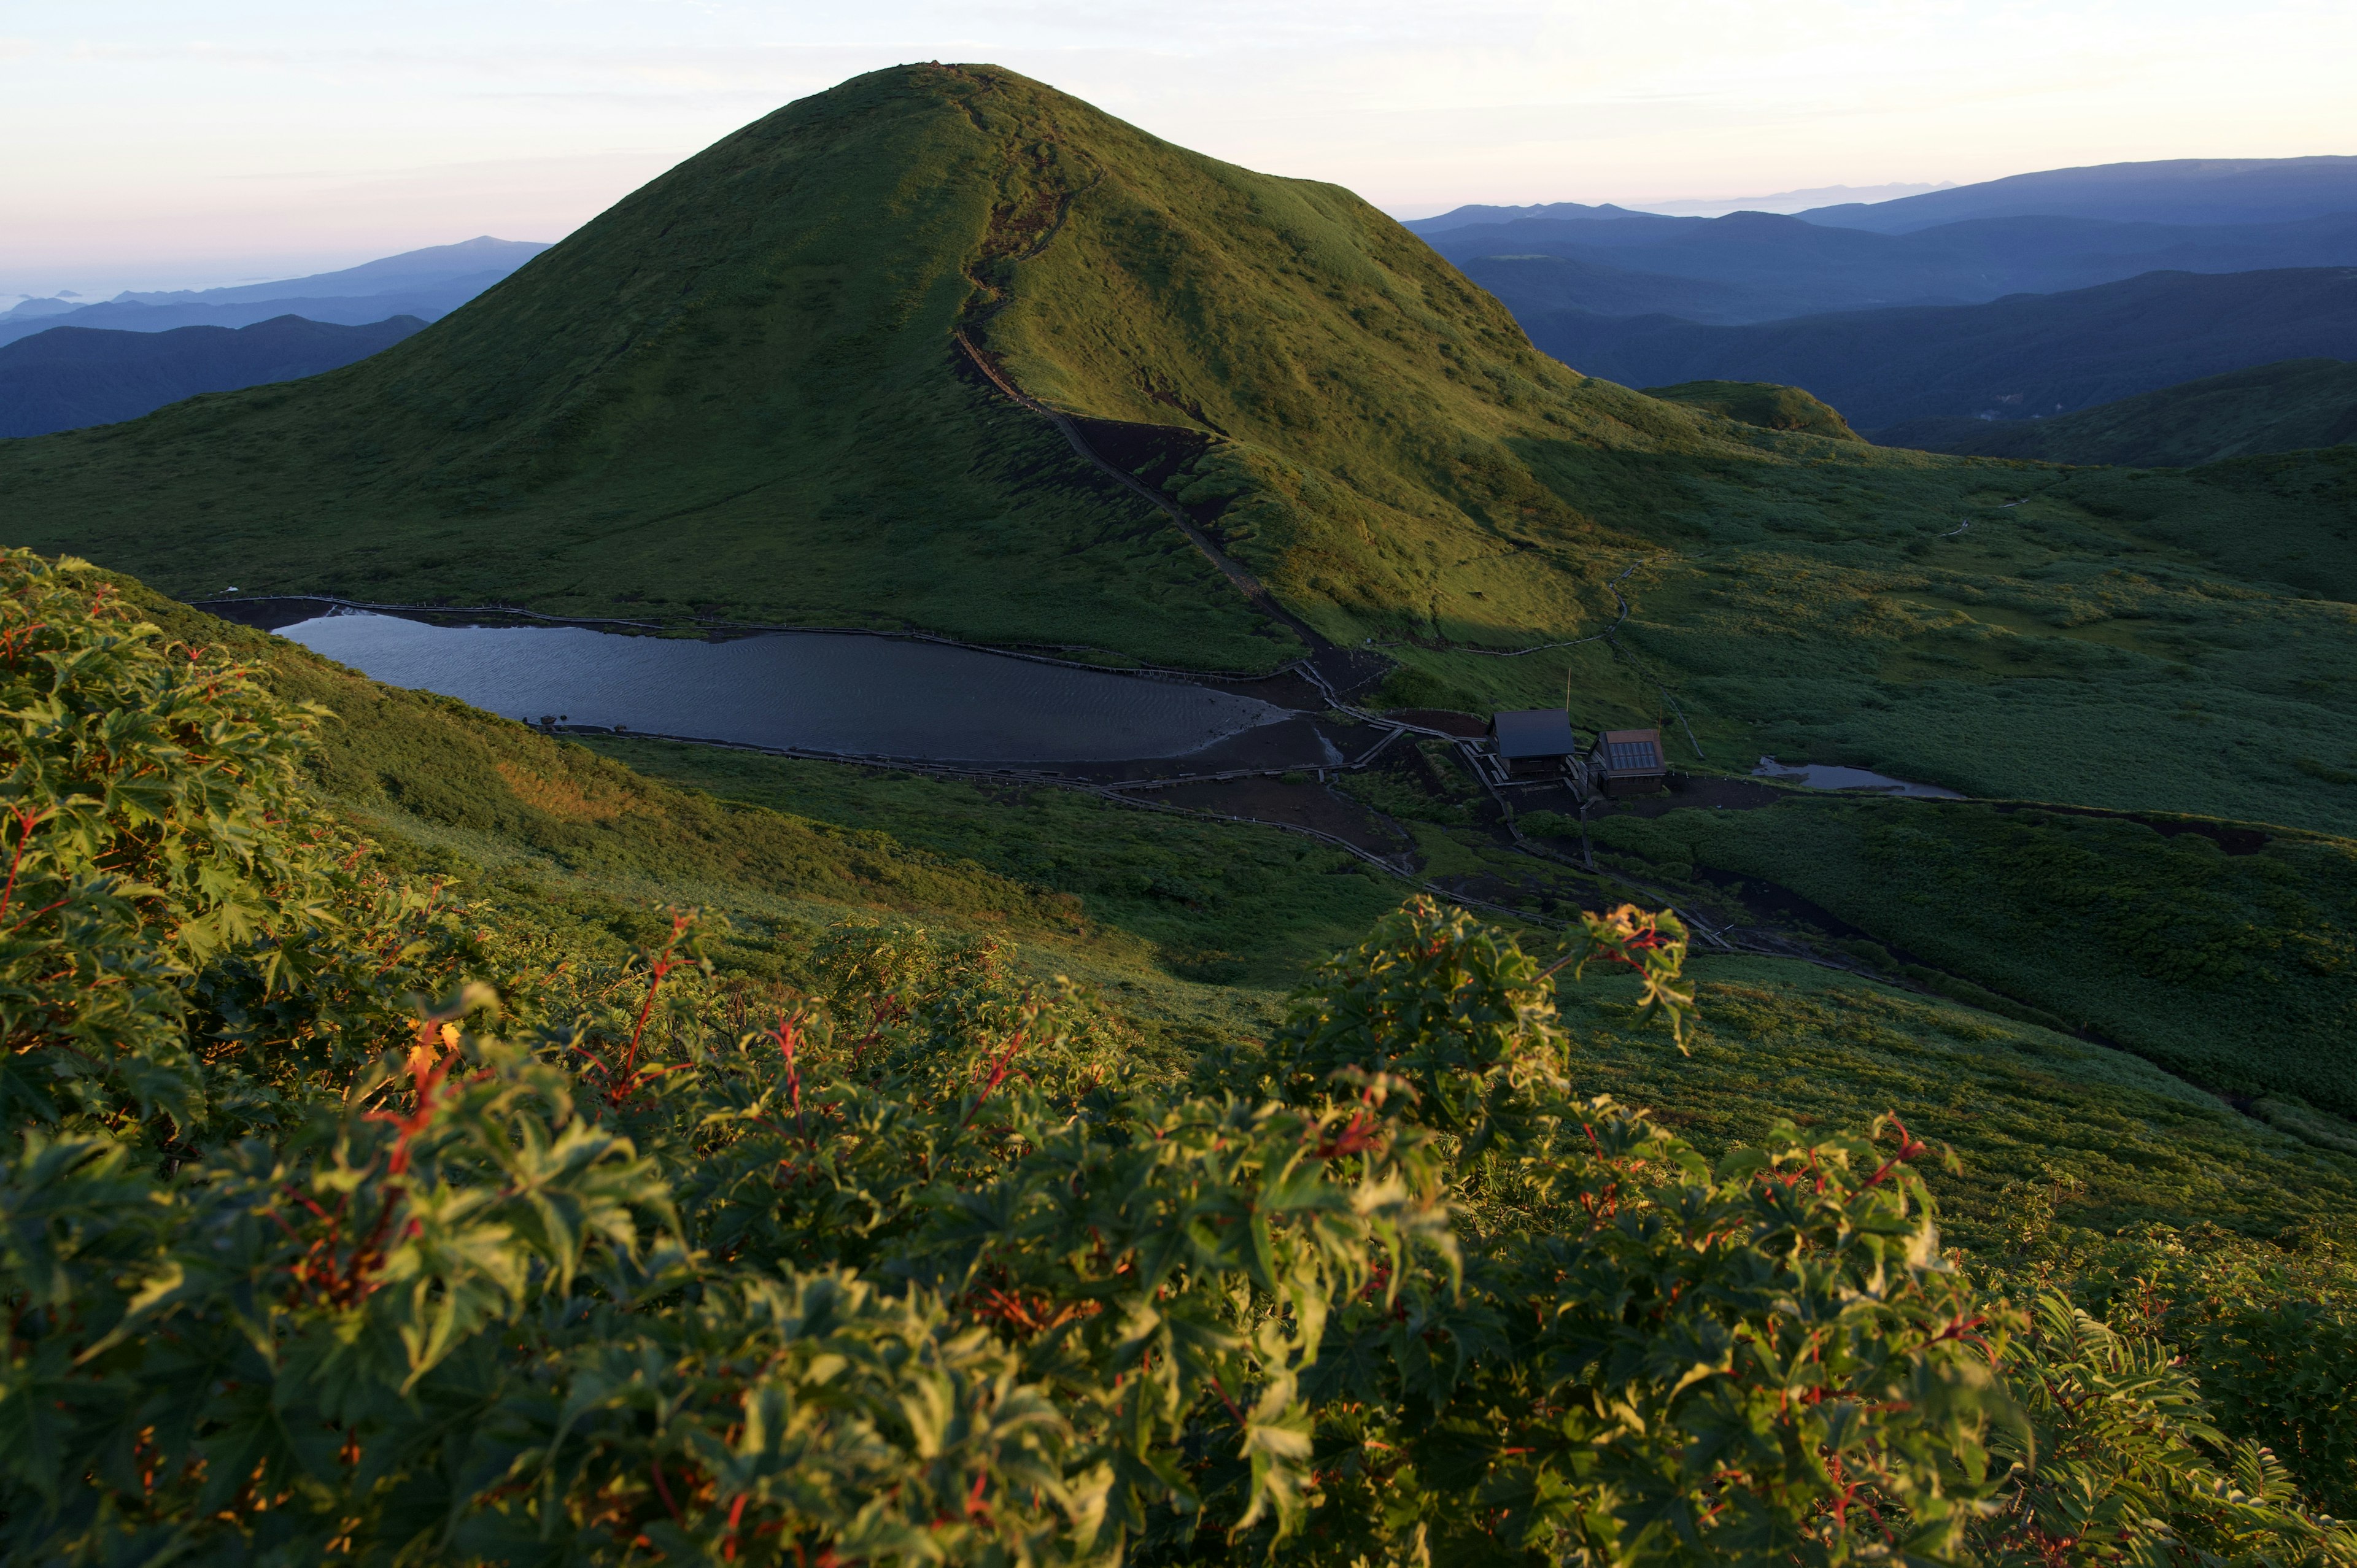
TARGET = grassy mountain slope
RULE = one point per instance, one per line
(733, 394)
(2227, 953)
(736, 394)
(1196, 929)
(2284, 407)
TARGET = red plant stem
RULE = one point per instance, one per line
(662, 971)
(1232, 1408)
(663, 1489)
(34, 916)
(788, 1035)
(735, 1518)
(997, 1074)
(23, 835)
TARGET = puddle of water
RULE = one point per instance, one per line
(1821, 776)
(869, 696)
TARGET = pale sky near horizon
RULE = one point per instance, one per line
(159, 145)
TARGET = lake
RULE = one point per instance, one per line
(830, 691)
(1825, 776)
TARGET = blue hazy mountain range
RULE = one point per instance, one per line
(2173, 191)
(2035, 233)
(427, 284)
(72, 376)
(1761, 265)
(2015, 298)
(2030, 355)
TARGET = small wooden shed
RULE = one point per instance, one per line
(1628, 761)
(1534, 741)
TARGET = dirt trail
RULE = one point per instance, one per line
(1334, 668)
(1339, 668)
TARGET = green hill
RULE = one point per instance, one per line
(2287, 406)
(737, 394)
(1763, 404)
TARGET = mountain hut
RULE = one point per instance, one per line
(1533, 742)
(1629, 761)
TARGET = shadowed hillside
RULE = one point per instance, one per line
(2012, 357)
(2284, 407)
(72, 376)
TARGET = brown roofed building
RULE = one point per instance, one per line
(1628, 761)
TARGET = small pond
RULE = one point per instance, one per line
(1821, 776)
(830, 692)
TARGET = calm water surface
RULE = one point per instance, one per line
(870, 697)
(1821, 776)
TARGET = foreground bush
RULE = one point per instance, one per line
(905, 1263)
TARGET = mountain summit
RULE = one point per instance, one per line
(774, 386)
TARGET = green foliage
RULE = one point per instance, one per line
(906, 1258)
(186, 937)
(2132, 1470)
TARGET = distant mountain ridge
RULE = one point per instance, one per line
(2293, 405)
(1546, 211)
(1540, 283)
(2182, 191)
(2026, 354)
(1761, 266)
(479, 256)
(68, 377)
(429, 284)
(2170, 190)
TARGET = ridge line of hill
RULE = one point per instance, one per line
(1348, 669)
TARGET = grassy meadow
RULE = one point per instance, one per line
(2233, 964)
(1196, 930)
(2078, 646)
(2122, 1139)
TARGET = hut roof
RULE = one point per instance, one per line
(1631, 751)
(1533, 731)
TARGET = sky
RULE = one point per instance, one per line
(156, 144)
